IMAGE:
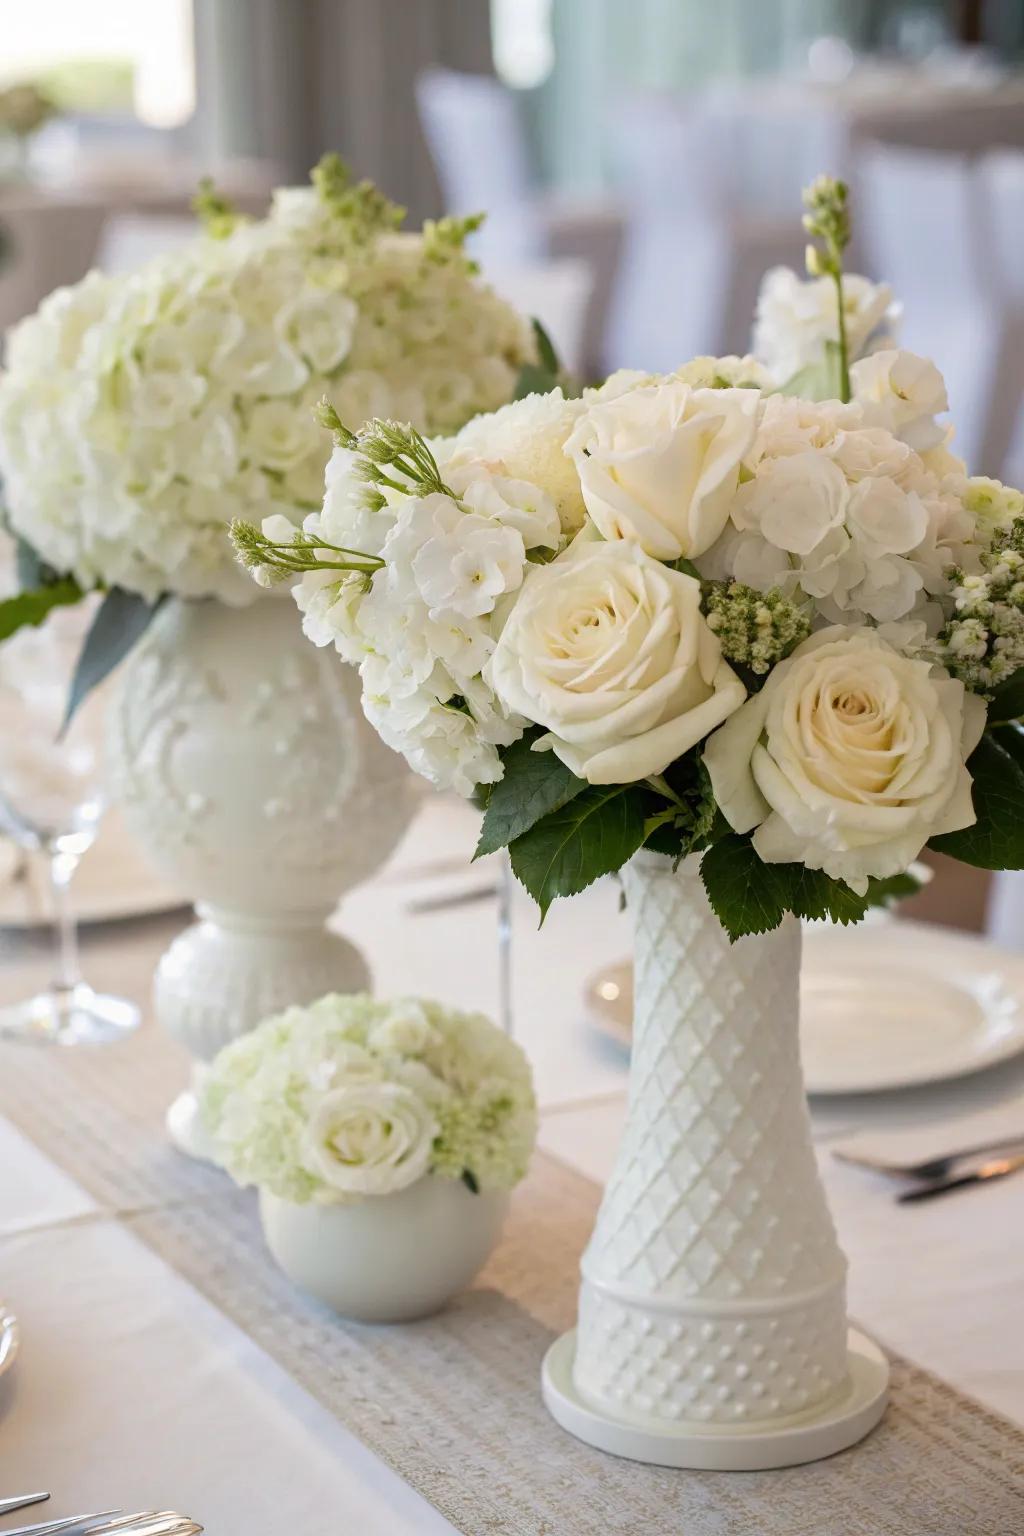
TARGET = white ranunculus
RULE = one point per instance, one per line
(370, 1138)
(279, 436)
(660, 464)
(904, 393)
(525, 441)
(608, 649)
(849, 759)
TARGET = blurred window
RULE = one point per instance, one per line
(121, 58)
(524, 49)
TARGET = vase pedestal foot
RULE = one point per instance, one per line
(712, 1448)
(185, 1127)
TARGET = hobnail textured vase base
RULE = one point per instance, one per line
(809, 1437)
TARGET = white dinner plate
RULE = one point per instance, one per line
(112, 882)
(875, 1016)
(10, 1338)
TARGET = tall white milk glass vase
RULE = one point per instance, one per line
(250, 777)
(712, 1315)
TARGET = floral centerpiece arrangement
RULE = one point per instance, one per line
(383, 1136)
(141, 412)
(351, 1098)
(749, 634)
(696, 612)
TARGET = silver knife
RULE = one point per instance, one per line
(995, 1168)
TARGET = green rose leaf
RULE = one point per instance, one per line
(542, 377)
(32, 606)
(595, 834)
(749, 896)
(120, 622)
(546, 349)
(1008, 699)
(534, 784)
(996, 841)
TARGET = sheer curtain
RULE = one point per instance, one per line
(285, 80)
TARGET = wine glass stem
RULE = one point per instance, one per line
(62, 869)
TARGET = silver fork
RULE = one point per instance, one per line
(929, 1167)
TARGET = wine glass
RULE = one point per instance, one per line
(51, 802)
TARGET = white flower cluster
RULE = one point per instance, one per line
(352, 1097)
(858, 508)
(139, 414)
(617, 573)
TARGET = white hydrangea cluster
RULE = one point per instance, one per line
(858, 508)
(139, 414)
(423, 630)
(351, 1098)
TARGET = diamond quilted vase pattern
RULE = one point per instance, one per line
(713, 1285)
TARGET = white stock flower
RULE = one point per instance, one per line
(660, 464)
(797, 316)
(849, 759)
(370, 1138)
(608, 650)
(903, 393)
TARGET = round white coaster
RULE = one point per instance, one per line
(838, 1425)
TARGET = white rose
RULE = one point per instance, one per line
(370, 1138)
(609, 650)
(320, 327)
(904, 393)
(406, 1031)
(849, 759)
(660, 464)
(280, 436)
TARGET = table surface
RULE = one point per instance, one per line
(132, 1389)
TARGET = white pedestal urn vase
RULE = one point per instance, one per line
(712, 1326)
(249, 776)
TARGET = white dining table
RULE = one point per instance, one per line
(132, 1389)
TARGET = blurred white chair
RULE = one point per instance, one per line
(129, 240)
(692, 265)
(477, 141)
(1001, 176)
(557, 293)
(922, 223)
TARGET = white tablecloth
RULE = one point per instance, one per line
(132, 1389)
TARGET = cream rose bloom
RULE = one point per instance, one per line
(609, 650)
(660, 464)
(849, 759)
(370, 1138)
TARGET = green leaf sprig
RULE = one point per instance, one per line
(827, 220)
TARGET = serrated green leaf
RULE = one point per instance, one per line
(744, 893)
(996, 841)
(534, 784)
(31, 608)
(119, 623)
(594, 835)
(749, 896)
(886, 893)
(1007, 702)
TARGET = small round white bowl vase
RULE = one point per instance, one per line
(389, 1258)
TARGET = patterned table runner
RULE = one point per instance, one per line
(453, 1403)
